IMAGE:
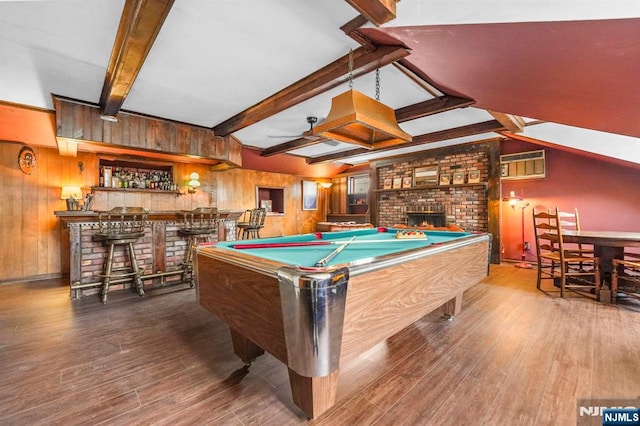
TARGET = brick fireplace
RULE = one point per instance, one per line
(465, 205)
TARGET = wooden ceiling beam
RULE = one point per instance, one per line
(326, 78)
(376, 11)
(351, 29)
(140, 23)
(418, 77)
(431, 106)
(457, 132)
(290, 146)
(513, 123)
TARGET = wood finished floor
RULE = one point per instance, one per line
(514, 356)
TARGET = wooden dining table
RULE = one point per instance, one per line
(607, 245)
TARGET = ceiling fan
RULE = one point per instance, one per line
(307, 135)
(312, 120)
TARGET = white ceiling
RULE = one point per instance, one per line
(214, 59)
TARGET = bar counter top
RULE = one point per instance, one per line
(74, 216)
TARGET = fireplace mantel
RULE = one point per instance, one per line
(423, 187)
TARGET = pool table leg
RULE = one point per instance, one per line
(453, 307)
(244, 348)
(314, 395)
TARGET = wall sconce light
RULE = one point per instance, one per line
(513, 199)
(71, 194)
(194, 183)
(326, 185)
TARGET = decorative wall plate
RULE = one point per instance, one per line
(27, 160)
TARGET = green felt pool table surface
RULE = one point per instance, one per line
(368, 243)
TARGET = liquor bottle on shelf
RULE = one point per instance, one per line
(135, 176)
(107, 175)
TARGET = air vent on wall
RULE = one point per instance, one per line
(523, 165)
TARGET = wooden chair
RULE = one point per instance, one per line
(566, 268)
(199, 224)
(571, 221)
(250, 227)
(242, 223)
(625, 276)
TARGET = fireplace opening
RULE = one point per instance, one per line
(431, 215)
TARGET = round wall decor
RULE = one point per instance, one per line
(27, 160)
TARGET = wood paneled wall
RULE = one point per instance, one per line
(30, 232)
(237, 189)
(339, 195)
(33, 238)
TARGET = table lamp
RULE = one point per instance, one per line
(71, 194)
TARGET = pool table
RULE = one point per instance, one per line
(313, 319)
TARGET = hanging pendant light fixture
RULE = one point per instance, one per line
(357, 119)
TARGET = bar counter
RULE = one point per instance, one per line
(160, 252)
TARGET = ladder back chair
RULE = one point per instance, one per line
(198, 224)
(121, 226)
(571, 221)
(566, 268)
(625, 276)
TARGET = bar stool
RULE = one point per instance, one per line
(121, 226)
(244, 222)
(199, 223)
(251, 228)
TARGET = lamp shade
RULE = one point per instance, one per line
(194, 182)
(71, 192)
(358, 119)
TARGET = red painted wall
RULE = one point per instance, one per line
(606, 194)
(289, 164)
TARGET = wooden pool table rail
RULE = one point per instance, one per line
(382, 298)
